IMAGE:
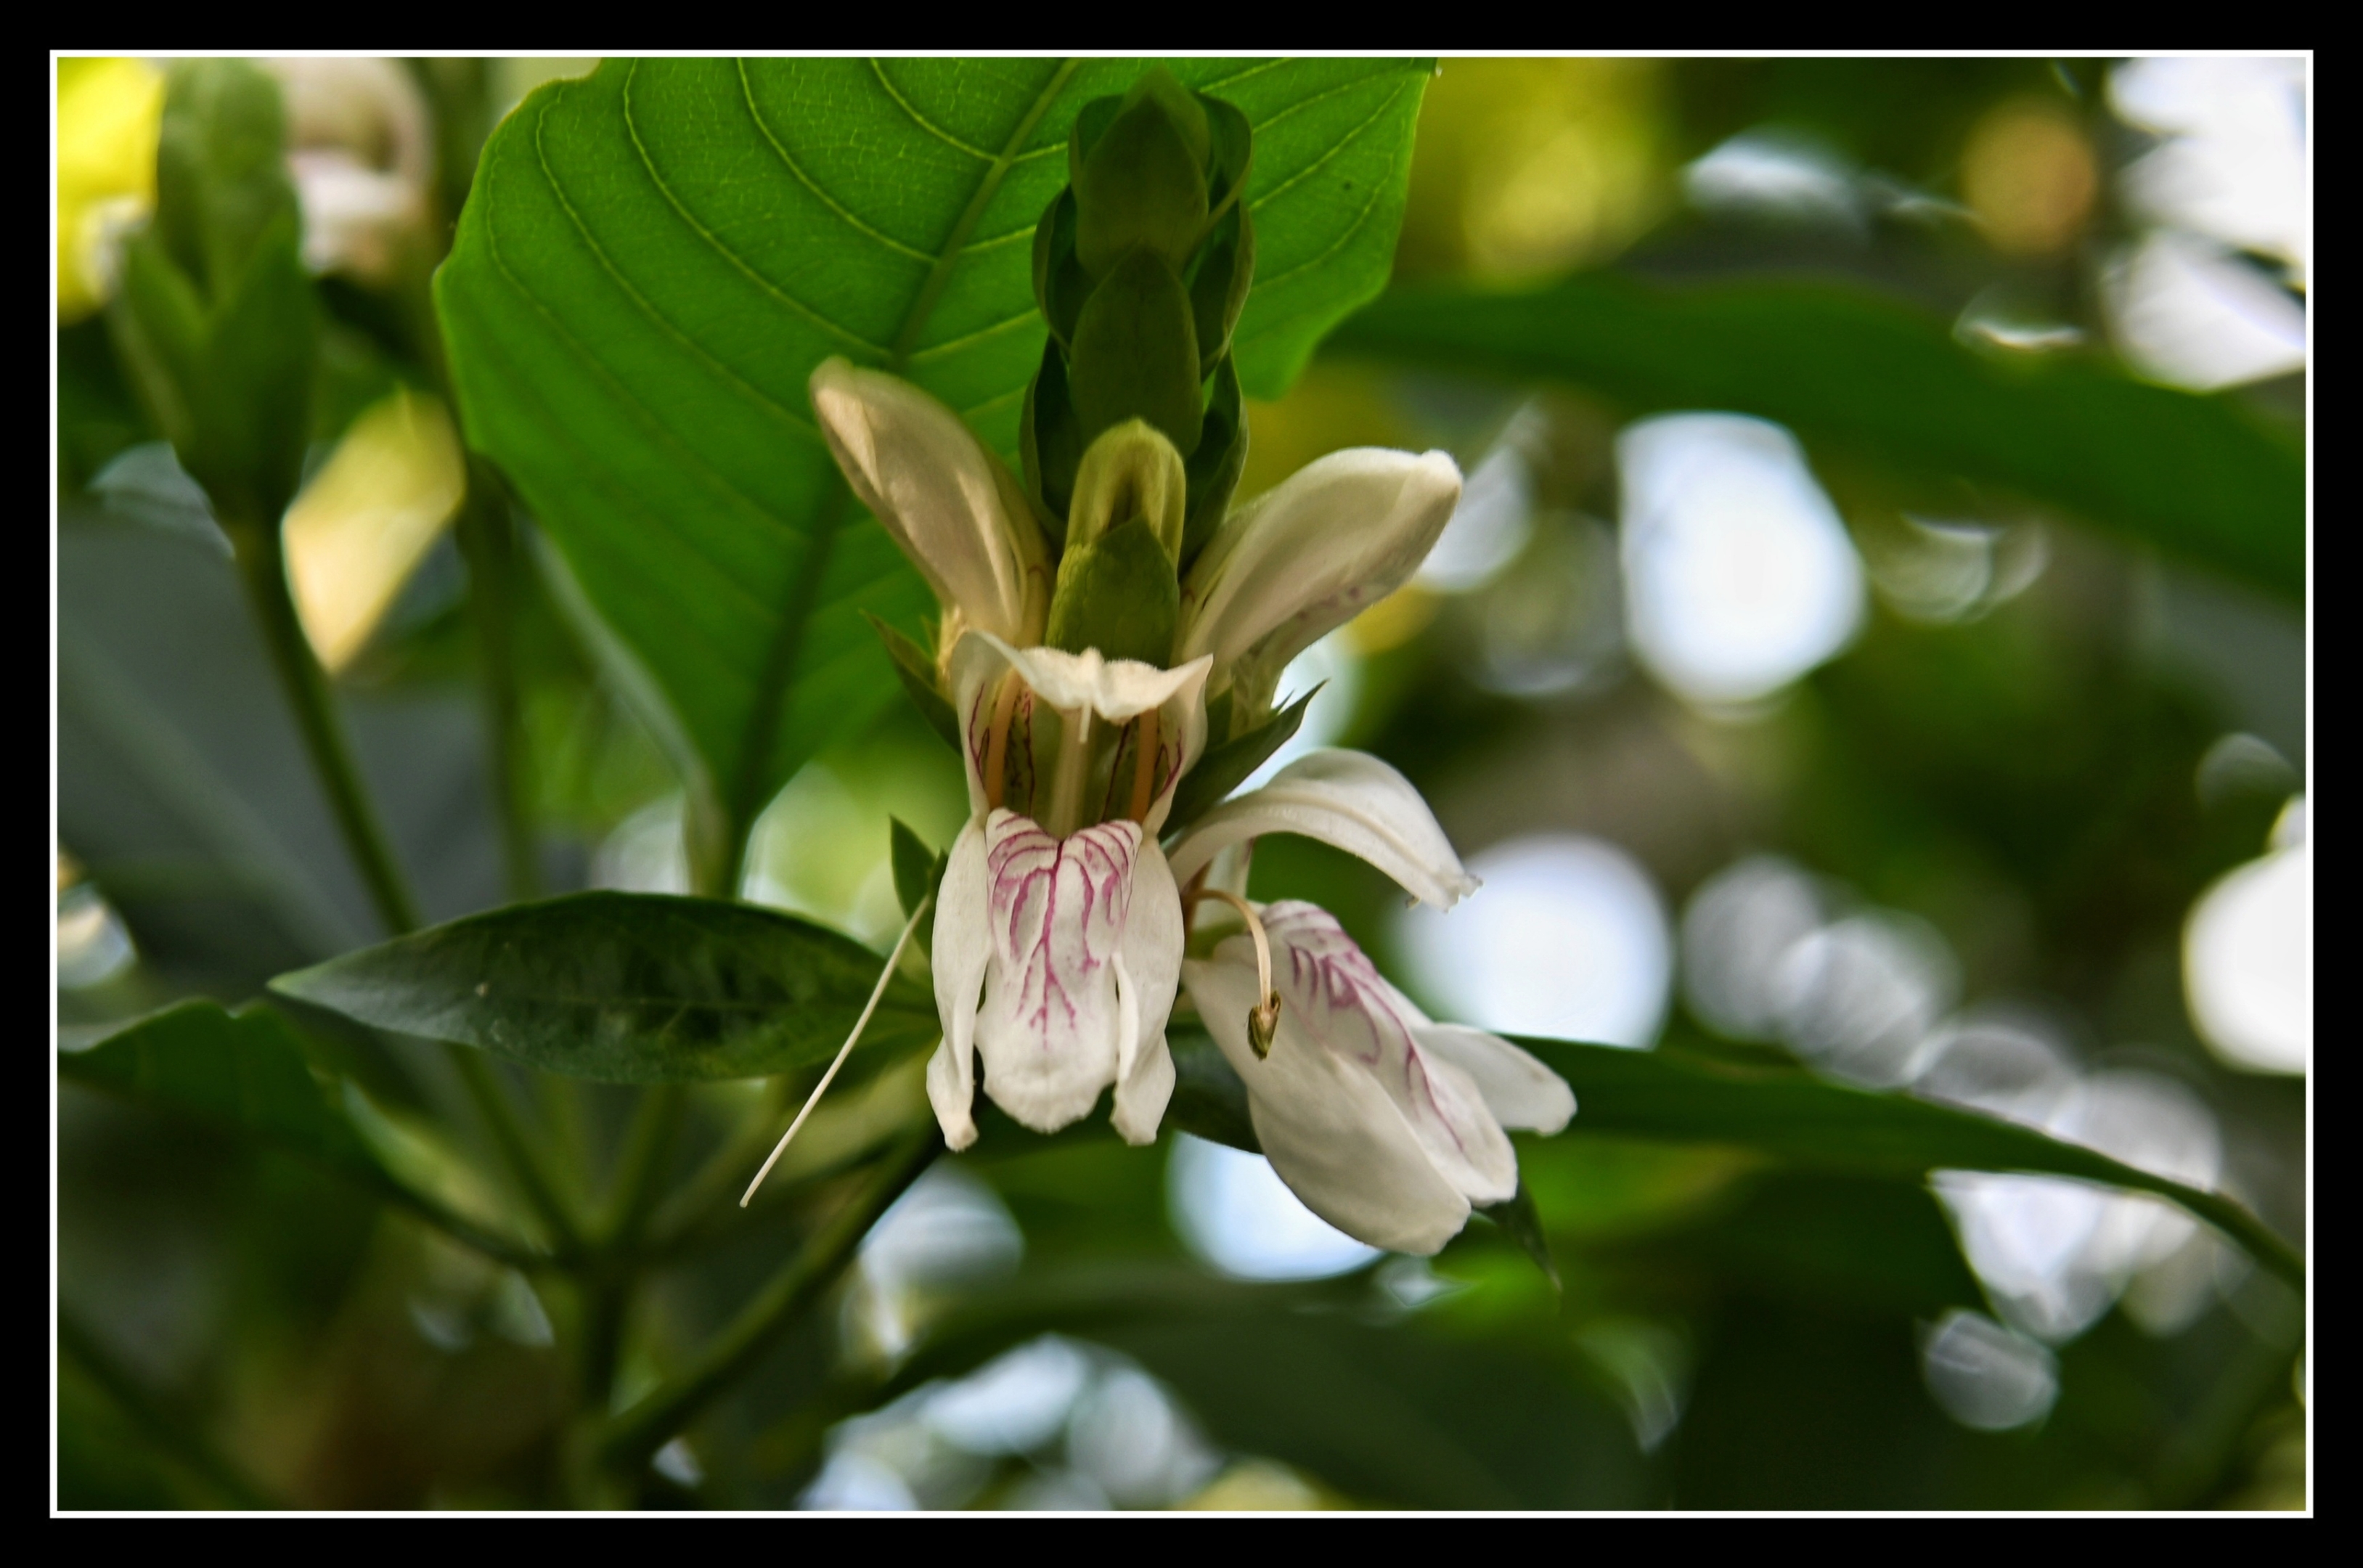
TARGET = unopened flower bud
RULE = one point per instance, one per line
(1119, 586)
(1141, 183)
(1130, 471)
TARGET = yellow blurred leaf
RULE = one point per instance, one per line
(110, 112)
(368, 517)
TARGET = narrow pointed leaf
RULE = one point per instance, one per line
(916, 673)
(1523, 1223)
(1804, 1121)
(1226, 767)
(625, 988)
(2200, 475)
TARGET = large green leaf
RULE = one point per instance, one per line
(654, 259)
(1804, 1121)
(1783, 1112)
(2196, 474)
(625, 988)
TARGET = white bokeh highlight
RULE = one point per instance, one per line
(1236, 1214)
(1986, 1376)
(1739, 577)
(2248, 957)
(1567, 938)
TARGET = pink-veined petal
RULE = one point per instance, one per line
(1339, 999)
(1328, 1128)
(1147, 974)
(962, 949)
(1519, 1090)
(1056, 910)
(1346, 798)
(951, 507)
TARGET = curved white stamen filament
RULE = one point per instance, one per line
(1264, 1018)
(843, 1051)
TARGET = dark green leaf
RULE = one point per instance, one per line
(918, 674)
(243, 1071)
(1209, 1101)
(1221, 769)
(917, 867)
(918, 872)
(654, 259)
(1807, 1121)
(2194, 474)
(625, 988)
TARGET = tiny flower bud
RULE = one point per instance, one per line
(1130, 471)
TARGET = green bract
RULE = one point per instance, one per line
(216, 320)
(1141, 268)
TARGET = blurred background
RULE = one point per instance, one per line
(1763, 748)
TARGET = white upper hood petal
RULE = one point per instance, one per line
(1346, 798)
(1116, 690)
(950, 505)
(1339, 535)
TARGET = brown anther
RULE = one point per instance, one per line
(1262, 1024)
(1144, 766)
(996, 744)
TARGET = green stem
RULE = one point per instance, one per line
(467, 1232)
(714, 1189)
(488, 545)
(610, 1290)
(148, 1412)
(262, 565)
(517, 1149)
(638, 1432)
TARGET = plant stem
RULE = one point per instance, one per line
(638, 1432)
(488, 544)
(517, 1149)
(262, 565)
(656, 1126)
(150, 1413)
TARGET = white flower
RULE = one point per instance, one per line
(1388, 1125)
(1061, 926)
(1058, 929)
(1337, 536)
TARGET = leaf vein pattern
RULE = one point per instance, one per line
(803, 424)
(941, 267)
(878, 69)
(713, 241)
(1362, 220)
(1340, 145)
(845, 214)
(690, 631)
(577, 349)
(952, 345)
(1322, 97)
